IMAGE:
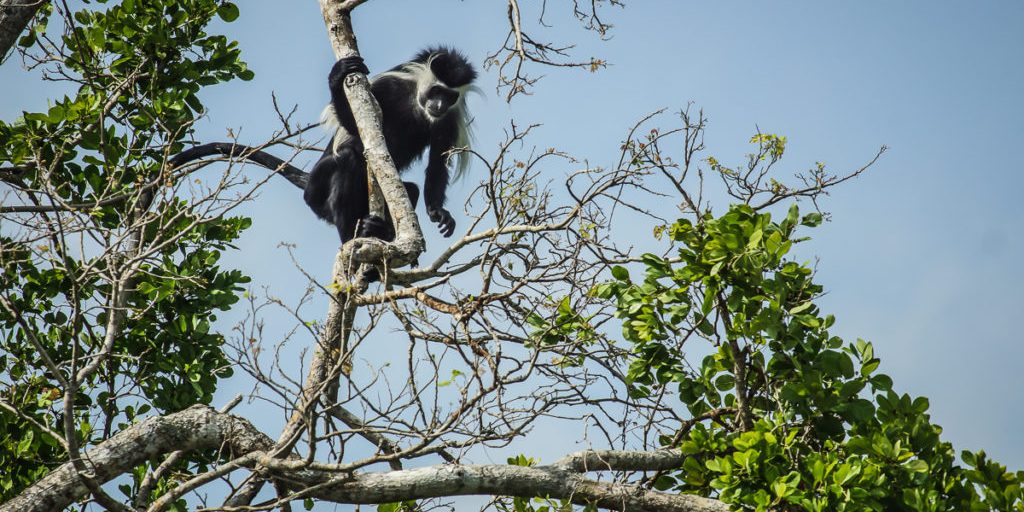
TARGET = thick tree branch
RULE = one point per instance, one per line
(196, 428)
(202, 428)
(14, 17)
(502, 480)
(332, 358)
(621, 460)
(330, 361)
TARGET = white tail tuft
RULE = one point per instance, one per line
(329, 122)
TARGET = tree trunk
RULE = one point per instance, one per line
(14, 17)
(409, 242)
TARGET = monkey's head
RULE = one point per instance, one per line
(447, 75)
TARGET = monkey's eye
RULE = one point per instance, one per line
(446, 95)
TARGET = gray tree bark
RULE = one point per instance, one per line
(196, 428)
(203, 428)
(14, 17)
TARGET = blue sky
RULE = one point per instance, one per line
(922, 256)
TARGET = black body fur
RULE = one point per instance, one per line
(422, 106)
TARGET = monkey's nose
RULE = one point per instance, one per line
(435, 108)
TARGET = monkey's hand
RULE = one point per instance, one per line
(444, 220)
(345, 67)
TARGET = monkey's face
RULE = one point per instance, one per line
(442, 81)
(438, 100)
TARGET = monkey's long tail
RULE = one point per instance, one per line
(293, 174)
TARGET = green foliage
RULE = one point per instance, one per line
(517, 504)
(27, 452)
(399, 506)
(827, 431)
(564, 327)
(138, 67)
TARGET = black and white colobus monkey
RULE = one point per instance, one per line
(423, 104)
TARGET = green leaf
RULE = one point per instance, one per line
(801, 308)
(881, 382)
(917, 466)
(26, 442)
(791, 217)
(811, 220)
(969, 458)
(725, 382)
(619, 272)
(869, 367)
(228, 12)
(27, 40)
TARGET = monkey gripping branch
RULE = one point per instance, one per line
(409, 242)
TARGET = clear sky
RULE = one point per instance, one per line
(923, 253)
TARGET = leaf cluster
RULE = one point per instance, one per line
(107, 222)
(827, 432)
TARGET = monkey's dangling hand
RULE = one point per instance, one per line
(444, 220)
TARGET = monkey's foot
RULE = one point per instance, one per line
(373, 226)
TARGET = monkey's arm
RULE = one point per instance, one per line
(435, 183)
(336, 82)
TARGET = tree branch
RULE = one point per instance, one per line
(332, 358)
(14, 17)
(202, 428)
(504, 480)
(196, 428)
